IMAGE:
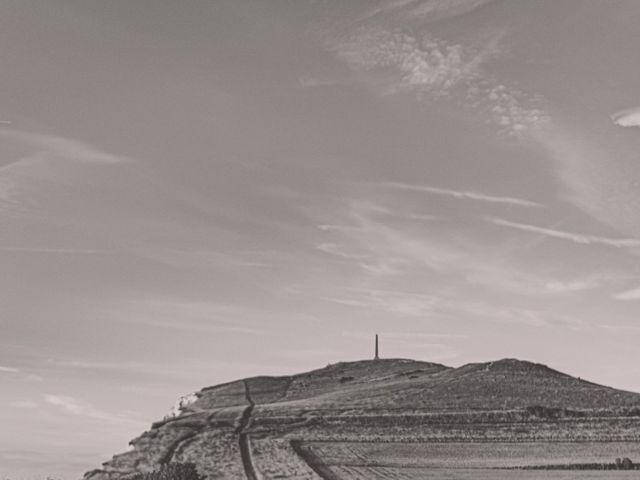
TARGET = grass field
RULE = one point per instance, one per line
(386, 473)
(457, 461)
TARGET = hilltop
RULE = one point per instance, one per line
(235, 429)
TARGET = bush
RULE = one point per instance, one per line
(170, 471)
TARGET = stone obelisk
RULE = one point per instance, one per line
(377, 357)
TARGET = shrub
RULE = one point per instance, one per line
(169, 471)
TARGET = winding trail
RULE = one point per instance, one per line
(243, 439)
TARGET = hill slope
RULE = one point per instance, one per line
(253, 421)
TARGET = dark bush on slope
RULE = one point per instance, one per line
(170, 471)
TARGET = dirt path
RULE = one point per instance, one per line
(316, 464)
(245, 447)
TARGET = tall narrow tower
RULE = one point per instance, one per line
(377, 357)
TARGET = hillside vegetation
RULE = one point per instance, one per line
(245, 429)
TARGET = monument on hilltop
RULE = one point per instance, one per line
(377, 356)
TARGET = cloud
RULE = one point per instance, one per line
(511, 109)
(573, 237)
(424, 10)
(384, 247)
(400, 62)
(596, 179)
(338, 250)
(50, 163)
(439, 9)
(577, 285)
(465, 195)
(8, 369)
(627, 118)
(61, 147)
(81, 408)
(628, 295)
(392, 61)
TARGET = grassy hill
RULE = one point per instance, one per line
(250, 424)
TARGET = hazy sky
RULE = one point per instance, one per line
(197, 191)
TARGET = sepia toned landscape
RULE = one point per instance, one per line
(319, 239)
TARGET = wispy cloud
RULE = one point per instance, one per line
(387, 248)
(577, 285)
(593, 177)
(627, 118)
(582, 239)
(50, 162)
(382, 249)
(8, 369)
(461, 194)
(424, 10)
(437, 9)
(81, 408)
(339, 250)
(628, 295)
(62, 147)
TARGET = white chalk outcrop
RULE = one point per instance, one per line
(181, 404)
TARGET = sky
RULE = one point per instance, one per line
(199, 191)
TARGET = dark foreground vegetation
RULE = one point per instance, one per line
(170, 471)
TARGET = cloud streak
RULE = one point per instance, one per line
(51, 163)
(62, 147)
(582, 239)
(425, 10)
(384, 249)
(81, 408)
(4, 369)
(628, 295)
(627, 118)
(462, 195)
